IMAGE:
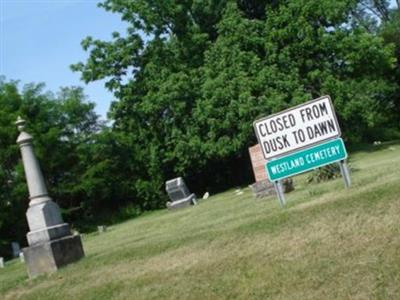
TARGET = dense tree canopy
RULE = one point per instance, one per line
(63, 126)
(190, 77)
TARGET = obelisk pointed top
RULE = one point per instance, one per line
(23, 137)
(20, 124)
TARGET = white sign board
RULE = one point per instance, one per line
(298, 127)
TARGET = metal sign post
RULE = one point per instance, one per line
(344, 170)
(279, 192)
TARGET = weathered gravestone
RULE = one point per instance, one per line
(179, 194)
(263, 187)
(51, 244)
(16, 249)
(21, 257)
(101, 228)
(1, 262)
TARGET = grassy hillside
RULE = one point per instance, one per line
(329, 243)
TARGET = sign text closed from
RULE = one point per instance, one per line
(301, 126)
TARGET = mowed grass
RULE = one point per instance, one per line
(328, 243)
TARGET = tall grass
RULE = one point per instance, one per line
(328, 243)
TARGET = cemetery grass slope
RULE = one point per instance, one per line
(329, 243)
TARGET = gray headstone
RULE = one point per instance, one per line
(177, 189)
(1, 262)
(179, 193)
(21, 257)
(101, 228)
(16, 249)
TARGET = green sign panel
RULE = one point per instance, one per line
(306, 160)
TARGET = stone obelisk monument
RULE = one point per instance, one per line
(51, 244)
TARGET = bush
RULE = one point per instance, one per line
(325, 173)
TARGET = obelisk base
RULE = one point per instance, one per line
(49, 256)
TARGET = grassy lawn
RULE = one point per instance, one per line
(328, 243)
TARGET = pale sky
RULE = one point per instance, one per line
(41, 38)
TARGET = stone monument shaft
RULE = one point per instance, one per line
(51, 244)
(34, 177)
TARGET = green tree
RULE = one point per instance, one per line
(13, 192)
(62, 125)
(190, 78)
(390, 32)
